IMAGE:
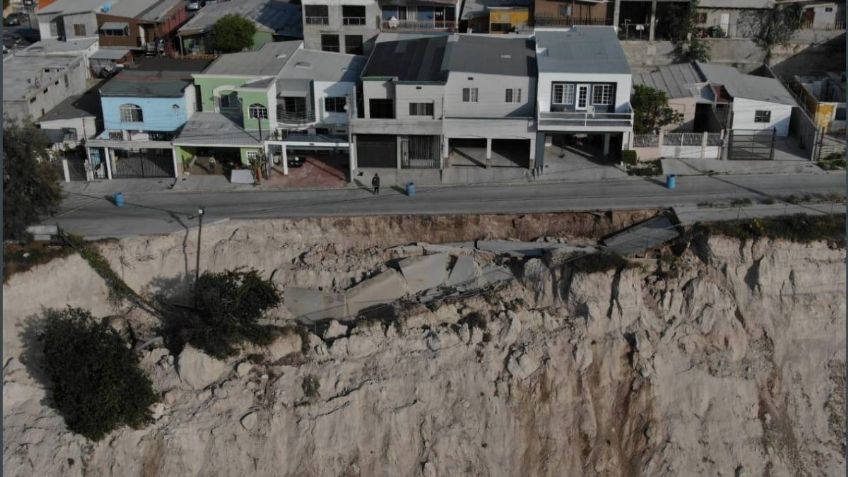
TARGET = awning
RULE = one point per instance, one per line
(115, 26)
(293, 87)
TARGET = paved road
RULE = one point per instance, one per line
(169, 211)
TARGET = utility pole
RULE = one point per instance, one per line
(200, 212)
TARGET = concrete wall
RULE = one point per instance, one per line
(266, 98)
(158, 114)
(743, 116)
(324, 89)
(369, 31)
(212, 86)
(51, 92)
(86, 128)
(491, 91)
(375, 90)
(686, 107)
(410, 93)
(624, 84)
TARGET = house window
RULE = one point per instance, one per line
(421, 109)
(389, 12)
(513, 95)
(700, 18)
(115, 32)
(79, 29)
(330, 43)
(353, 44)
(335, 104)
(70, 134)
(251, 155)
(257, 111)
(469, 95)
(381, 108)
(602, 94)
(294, 107)
(116, 135)
(563, 94)
(229, 100)
(761, 116)
(353, 15)
(316, 14)
(131, 113)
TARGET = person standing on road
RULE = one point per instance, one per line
(375, 182)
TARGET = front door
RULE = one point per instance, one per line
(582, 97)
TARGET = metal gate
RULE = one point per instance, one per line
(76, 168)
(143, 163)
(749, 145)
(828, 146)
(374, 150)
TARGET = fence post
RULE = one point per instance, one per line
(65, 170)
(704, 145)
(661, 139)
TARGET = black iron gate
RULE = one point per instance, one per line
(373, 150)
(749, 145)
(143, 163)
(76, 168)
(828, 147)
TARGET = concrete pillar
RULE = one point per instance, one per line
(285, 159)
(532, 162)
(89, 168)
(703, 145)
(445, 152)
(65, 171)
(653, 25)
(351, 154)
(176, 161)
(108, 154)
(399, 151)
(488, 151)
(606, 144)
(549, 140)
(629, 142)
(615, 14)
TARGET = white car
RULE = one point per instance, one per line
(193, 6)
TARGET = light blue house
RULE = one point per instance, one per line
(143, 110)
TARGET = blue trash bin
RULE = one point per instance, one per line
(671, 181)
(119, 199)
(410, 189)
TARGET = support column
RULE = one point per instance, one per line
(176, 162)
(89, 167)
(285, 160)
(399, 152)
(532, 162)
(65, 171)
(108, 154)
(653, 25)
(488, 151)
(606, 144)
(703, 145)
(615, 14)
(445, 152)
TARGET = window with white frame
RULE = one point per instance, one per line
(257, 111)
(229, 100)
(602, 94)
(469, 95)
(513, 95)
(252, 155)
(131, 113)
(421, 109)
(762, 116)
(563, 94)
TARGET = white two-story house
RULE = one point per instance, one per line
(583, 92)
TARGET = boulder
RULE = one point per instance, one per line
(335, 330)
(283, 346)
(248, 421)
(198, 369)
(465, 273)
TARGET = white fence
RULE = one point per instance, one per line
(678, 145)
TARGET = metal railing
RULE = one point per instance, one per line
(683, 139)
(414, 25)
(646, 140)
(586, 118)
(548, 19)
(316, 20)
(295, 118)
(353, 20)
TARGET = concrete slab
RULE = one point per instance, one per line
(465, 273)
(383, 288)
(643, 236)
(689, 215)
(528, 249)
(425, 272)
(241, 176)
(313, 305)
(493, 273)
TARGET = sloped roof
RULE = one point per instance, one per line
(415, 60)
(77, 106)
(677, 80)
(322, 66)
(491, 55)
(275, 16)
(740, 85)
(205, 128)
(267, 61)
(149, 10)
(147, 84)
(581, 49)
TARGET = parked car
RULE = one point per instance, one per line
(193, 6)
(14, 19)
(295, 161)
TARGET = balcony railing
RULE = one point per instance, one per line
(317, 20)
(418, 25)
(353, 20)
(585, 119)
(547, 19)
(295, 118)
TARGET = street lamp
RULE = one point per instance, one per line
(200, 212)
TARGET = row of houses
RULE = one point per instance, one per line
(418, 105)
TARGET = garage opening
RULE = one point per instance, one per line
(376, 151)
(468, 152)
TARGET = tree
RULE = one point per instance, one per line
(229, 307)
(683, 32)
(651, 110)
(97, 383)
(30, 184)
(776, 27)
(233, 33)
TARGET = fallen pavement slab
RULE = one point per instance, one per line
(492, 274)
(642, 236)
(383, 288)
(465, 273)
(314, 305)
(425, 272)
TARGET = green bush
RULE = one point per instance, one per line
(648, 169)
(795, 228)
(229, 306)
(629, 157)
(232, 33)
(97, 383)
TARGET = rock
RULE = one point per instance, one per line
(334, 330)
(157, 410)
(521, 365)
(283, 346)
(429, 470)
(423, 273)
(465, 273)
(244, 368)
(248, 421)
(198, 369)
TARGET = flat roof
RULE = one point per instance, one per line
(676, 81)
(758, 88)
(414, 60)
(110, 53)
(149, 10)
(76, 6)
(78, 106)
(147, 84)
(581, 49)
(267, 61)
(170, 64)
(54, 46)
(24, 74)
(476, 8)
(276, 16)
(495, 55)
(214, 129)
(323, 66)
